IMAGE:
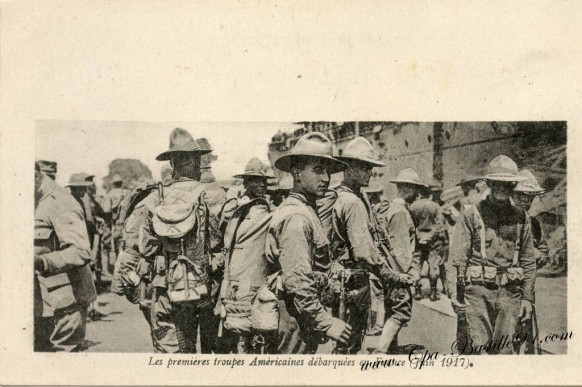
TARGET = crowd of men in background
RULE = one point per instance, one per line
(286, 267)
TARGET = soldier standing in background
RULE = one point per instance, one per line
(494, 256)
(298, 247)
(63, 282)
(401, 234)
(111, 236)
(379, 205)
(354, 250)
(245, 269)
(429, 231)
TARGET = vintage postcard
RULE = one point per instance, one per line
(290, 193)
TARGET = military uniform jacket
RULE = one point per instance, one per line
(500, 232)
(297, 246)
(351, 225)
(244, 242)
(428, 219)
(401, 234)
(60, 239)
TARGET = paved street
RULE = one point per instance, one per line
(433, 324)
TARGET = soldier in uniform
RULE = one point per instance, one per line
(185, 304)
(352, 241)
(49, 168)
(524, 194)
(63, 283)
(298, 247)
(400, 229)
(110, 205)
(245, 221)
(430, 229)
(494, 256)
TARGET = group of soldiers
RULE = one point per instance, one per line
(287, 272)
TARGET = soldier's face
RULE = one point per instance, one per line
(523, 200)
(409, 192)
(312, 178)
(359, 173)
(256, 186)
(501, 191)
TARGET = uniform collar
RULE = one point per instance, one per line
(302, 198)
(46, 188)
(400, 201)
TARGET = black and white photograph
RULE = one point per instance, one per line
(305, 192)
(301, 238)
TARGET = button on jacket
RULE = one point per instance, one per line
(296, 245)
(60, 239)
(500, 232)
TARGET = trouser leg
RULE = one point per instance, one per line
(163, 330)
(398, 307)
(507, 305)
(186, 320)
(208, 329)
(291, 340)
(480, 317)
(43, 328)
(69, 331)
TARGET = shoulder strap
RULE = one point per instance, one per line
(518, 241)
(483, 250)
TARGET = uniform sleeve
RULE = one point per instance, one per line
(528, 262)
(149, 245)
(399, 235)
(299, 282)
(74, 249)
(358, 233)
(460, 248)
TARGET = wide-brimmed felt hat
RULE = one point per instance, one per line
(255, 168)
(408, 176)
(360, 149)
(181, 141)
(313, 145)
(373, 189)
(468, 180)
(530, 185)
(78, 180)
(47, 166)
(504, 169)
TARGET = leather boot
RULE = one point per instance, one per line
(389, 334)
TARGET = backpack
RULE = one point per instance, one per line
(246, 299)
(181, 221)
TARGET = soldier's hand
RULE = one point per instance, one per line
(38, 263)
(525, 310)
(457, 306)
(406, 278)
(415, 274)
(339, 330)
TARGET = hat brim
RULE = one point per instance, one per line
(78, 185)
(165, 156)
(372, 162)
(508, 178)
(252, 174)
(532, 191)
(333, 165)
(409, 182)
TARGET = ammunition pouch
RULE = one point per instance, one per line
(493, 276)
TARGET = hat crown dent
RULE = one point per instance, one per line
(530, 184)
(408, 175)
(502, 165)
(313, 144)
(255, 165)
(78, 180)
(180, 139)
(359, 148)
